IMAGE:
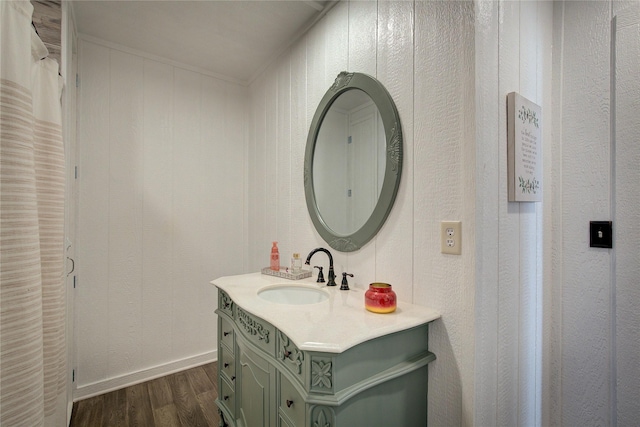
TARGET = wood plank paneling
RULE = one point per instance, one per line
(553, 262)
(125, 212)
(528, 217)
(627, 216)
(424, 53)
(586, 169)
(157, 216)
(513, 356)
(395, 72)
(187, 161)
(218, 180)
(545, 213)
(362, 57)
(379, 40)
(509, 244)
(162, 161)
(336, 45)
(260, 186)
(235, 157)
(442, 142)
(271, 162)
(283, 181)
(92, 295)
(406, 45)
(487, 177)
(363, 37)
(301, 227)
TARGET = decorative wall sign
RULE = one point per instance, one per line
(524, 149)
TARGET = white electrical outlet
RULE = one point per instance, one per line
(451, 237)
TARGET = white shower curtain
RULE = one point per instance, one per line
(32, 304)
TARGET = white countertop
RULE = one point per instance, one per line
(332, 326)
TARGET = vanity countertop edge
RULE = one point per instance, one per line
(331, 326)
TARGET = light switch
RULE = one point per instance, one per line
(601, 234)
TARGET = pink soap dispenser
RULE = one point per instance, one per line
(275, 257)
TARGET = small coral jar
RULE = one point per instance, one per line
(380, 298)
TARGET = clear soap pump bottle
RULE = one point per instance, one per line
(296, 263)
(275, 257)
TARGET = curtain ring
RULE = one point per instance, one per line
(73, 265)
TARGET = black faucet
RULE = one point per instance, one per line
(332, 275)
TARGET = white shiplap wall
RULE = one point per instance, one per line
(425, 54)
(161, 213)
(513, 53)
(584, 305)
(513, 42)
(406, 46)
(626, 215)
(595, 338)
(448, 66)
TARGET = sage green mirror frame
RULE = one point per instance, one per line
(393, 169)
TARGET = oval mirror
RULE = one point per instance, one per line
(353, 161)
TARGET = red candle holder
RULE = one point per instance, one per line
(380, 298)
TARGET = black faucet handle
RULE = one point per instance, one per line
(344, 286)
(320, 274)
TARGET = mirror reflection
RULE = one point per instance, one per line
(349, 162)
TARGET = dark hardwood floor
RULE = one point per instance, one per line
(183, 399)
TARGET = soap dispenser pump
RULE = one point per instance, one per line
(296, 263)
(275, 257)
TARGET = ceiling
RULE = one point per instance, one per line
(233, 39)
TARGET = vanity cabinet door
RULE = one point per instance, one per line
(256, 389)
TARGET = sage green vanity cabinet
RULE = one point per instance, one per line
(256, 389)
(265, 380)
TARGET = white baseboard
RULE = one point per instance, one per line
(116, 383)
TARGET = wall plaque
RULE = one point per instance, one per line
(524, 146)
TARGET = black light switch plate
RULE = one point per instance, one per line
(601, 234)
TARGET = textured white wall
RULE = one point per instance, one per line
(406, 46)
(68, 69)
(448, 66)
(626, 215)
(585, 144)
(594, 377)
(161, 213)
(513, 53)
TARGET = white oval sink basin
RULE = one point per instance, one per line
(293, 294)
